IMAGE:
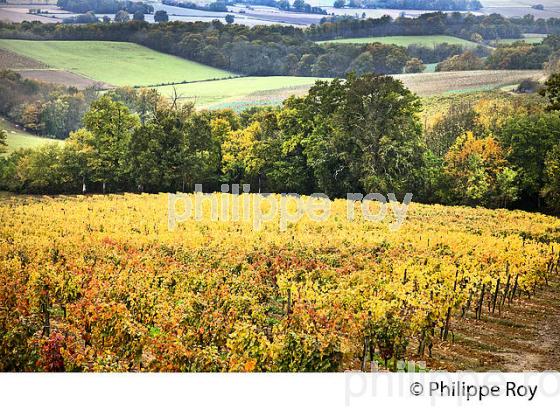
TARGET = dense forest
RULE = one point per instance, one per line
(495, 151)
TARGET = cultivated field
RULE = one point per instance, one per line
(14, 61)
(237, 91)
(453, 82)
(126, 293)
(18, 138)
(404, 41)
(240, 93)
(19, 13)
(520, 8)
(62, 77)
(113, 62)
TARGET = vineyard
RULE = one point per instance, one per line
(100, 283)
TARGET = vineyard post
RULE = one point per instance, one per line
(364, 354)
(468, 306)
(495, 296)
(446, 329)
(422, 344)
(512, 294)
(289, 303)
(46, 312)
(506, 290)
(480, 303)
(372, 351)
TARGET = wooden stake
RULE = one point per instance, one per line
(480, 303)
(495, 296)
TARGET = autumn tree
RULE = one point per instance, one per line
(241, 162)
(551, 91)
(414, 65)
(528, 139)
(551, 187)
(156, 150)
(122, 16)
(447, 126)
(464, 62)
(111, 126)
(3, 141)
(161, 16)
(361, 134)
(478, 173)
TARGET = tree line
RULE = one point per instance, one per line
(361, 134)
(467, 26)
(105, 6)
(218, 6)
(41, 108)
(251, 51)
(461, 5)
(277, 50)
(515, 56)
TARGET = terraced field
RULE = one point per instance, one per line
(114, 62)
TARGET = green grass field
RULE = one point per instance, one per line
(404, 41)
(529, 39)
(113, 62)
(20, 139)
(237, 90)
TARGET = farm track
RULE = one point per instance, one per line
(542, 351)
(525, 336)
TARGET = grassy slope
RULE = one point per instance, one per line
(405, 41)
(20, 139)
(113, 62)
(211, 92)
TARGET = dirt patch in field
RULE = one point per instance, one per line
(62, 77)
(524, 336)
(13, 61)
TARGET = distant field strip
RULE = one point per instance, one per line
(114, 63)
(404, 41)
(240, 93)
(237, 89)
(529, 39)
(428, 84)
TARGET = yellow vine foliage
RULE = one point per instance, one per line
(122, 292)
